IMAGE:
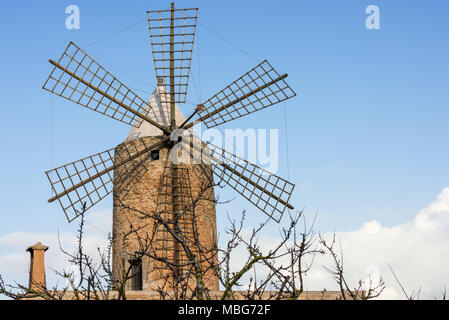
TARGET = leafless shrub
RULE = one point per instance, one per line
(364, 289)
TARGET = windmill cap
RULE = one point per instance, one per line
(160, 112)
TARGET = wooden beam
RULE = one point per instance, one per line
(114, 166)
(120, 103)
(211, 114)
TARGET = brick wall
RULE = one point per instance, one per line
(138, 187)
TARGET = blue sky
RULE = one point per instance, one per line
(367, 132)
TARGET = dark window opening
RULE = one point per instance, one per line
(155, 154)
(136, 274)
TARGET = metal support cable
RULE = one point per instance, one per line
(229, 42)
(115, 33)
(286, 139)
(199, 63)
(52, 104)
(286, 144)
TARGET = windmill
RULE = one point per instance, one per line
(141, 171)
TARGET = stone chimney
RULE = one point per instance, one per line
(37, 266)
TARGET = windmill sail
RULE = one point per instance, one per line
(79, 78)
(257, 89)
(268, 192)
(172, 34)
(83, 183)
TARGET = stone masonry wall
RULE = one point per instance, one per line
(139, 191)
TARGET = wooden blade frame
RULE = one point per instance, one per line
(257, 89)
(89, 180)
(172, 34)
(166, 246)
(79, 78)
(268, 192)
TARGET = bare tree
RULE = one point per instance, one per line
(285, 262)
(364, 289)
(274, 272)
(413, 295)
(91, 280)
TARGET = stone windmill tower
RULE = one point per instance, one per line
(150, 190)
(145, 173)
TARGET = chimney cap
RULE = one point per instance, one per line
(37, 246)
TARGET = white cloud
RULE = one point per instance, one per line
(14, 260)
(418, 251)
